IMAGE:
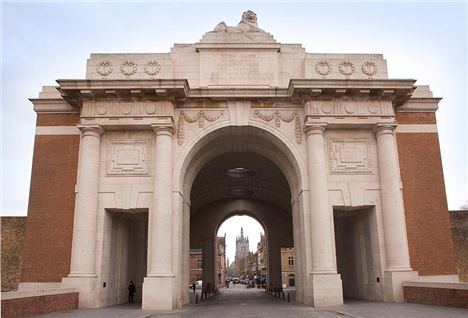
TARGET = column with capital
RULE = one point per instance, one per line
(398, 266)
(159, 286)
(82, 267)
(324, 282)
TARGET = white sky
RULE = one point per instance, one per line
(231, 227)
(42, 42)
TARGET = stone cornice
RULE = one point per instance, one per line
(398, 91)
(52, 105)
(420, 104)
(75, 91)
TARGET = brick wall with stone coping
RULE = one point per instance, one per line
(31, 303)
(440, 294)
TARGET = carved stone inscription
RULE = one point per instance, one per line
(349, 156)
(238, 68)
(128, 158)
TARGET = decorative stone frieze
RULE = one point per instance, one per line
(124, 109)
(349, 156)
(128, 157)
(200, 117)
(278, 117)
(349, 108)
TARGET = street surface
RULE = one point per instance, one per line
(240, 302)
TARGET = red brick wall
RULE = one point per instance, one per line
(67, 119)
(12, 251)
(427, 218)
(31, 306)
(415, 118)
(49, 227)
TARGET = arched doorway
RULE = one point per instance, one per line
(241, 170)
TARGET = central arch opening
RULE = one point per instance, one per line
(242, 172)
(242, 257)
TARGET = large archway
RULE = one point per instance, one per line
(241, 170)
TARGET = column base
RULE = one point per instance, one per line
(158, 293)
(393, 284)
(325, 290)
(87, 285)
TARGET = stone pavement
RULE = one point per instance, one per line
(240, 302)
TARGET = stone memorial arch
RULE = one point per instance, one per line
(131, 167)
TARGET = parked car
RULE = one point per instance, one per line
(198, 284)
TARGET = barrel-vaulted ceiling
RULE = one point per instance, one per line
(234, 175)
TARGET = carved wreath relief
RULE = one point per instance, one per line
(349, 156)
(346, 68)
(201, 116)
(128, 68)
(323, 68)
(152, 68)
(369, 68)
(128, 158)
(104, 68)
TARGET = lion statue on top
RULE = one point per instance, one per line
(248, 23)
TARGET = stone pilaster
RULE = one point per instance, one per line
(323, 279)
(159, 285)
(397, 267)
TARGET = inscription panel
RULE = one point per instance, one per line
(238, 68)
(128, 158)
(350, 156)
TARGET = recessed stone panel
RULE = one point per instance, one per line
(350, 156)
(128, 158)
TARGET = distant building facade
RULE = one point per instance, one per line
(288, 270)
(221, 267)
(196, 265)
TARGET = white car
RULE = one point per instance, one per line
(198, 284)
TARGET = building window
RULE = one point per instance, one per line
(199, 263)
(290, 260)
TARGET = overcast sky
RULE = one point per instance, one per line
(43, 42)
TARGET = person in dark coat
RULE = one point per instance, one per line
(131, 291)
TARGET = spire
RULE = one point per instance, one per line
(242, 232)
